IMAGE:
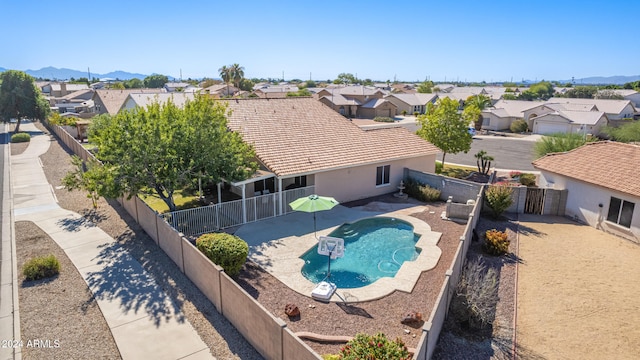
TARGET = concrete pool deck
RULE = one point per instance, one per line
(276, 245)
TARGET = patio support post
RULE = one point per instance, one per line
(244, 203)
(219, 193)
(280, 193)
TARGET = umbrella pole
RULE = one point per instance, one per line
(314, 225)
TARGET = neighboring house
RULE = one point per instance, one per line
(143, 100)
(300, 142)
(627, 94)
(110, 101)
(220, 90)
(504, 113)
(76, 96)
(411, 103)
(274, 91)
(567, 121)
(602, 183)
(179, 87)
(615, 109)
(348, 100)
(378, 107)
(61, 89)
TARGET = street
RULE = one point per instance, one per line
(509, 153)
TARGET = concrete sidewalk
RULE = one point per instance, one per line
(144, 321)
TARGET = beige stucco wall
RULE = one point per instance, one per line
(360, 182)
(583, 202)
(495, 122)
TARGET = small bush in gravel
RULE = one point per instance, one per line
(519, 126)
(499, 199)
(476, 295)
(41, 267)
(226, 250)
(420, 191)
(383, 119)
(528, 179)
(364, 346)
(496, 242)
(20, 137)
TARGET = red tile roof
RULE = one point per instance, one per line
(612, 165)
(301, 135)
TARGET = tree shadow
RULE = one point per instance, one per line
(123, 280)
(354, 310)
(75, 224)
(175, 284)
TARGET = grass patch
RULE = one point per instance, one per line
(455, 171)
(182, 202)
(20, 137)
(41, 267)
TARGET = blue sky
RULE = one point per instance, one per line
(410, 40)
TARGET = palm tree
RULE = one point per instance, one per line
(237, 74)
(481, 102)
(225, 74)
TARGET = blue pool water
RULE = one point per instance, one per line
(374, 248)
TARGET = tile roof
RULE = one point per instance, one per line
(78, 94)
(606, 105)
(581, 117)
(415, 99)
(608, 164)
(338, 99)
(114, 99)
(296, 136)
(511, 108)
(178, 98)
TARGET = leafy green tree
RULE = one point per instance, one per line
(426, 87)
(91, 177)
(237, 74)
(629, 132)
(509, 97)
(225, 74)
(155, 81)
(581, 92)
(635, 85)
(480, 102)
(301, 92)
(134, 83)
(608, 94)
(539, 91)
(345, 78)
(20, 98)
(117, 86)
(446, 128)
(559, 142)
(310, 83)
(162, 148)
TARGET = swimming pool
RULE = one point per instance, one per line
(374, 248)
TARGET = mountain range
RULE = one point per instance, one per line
(66, 74)
(54, 73)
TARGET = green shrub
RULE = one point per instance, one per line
(383, 119)
(415, 113)
(20, 137)
(226, 250)
(499, 198)
(41, 267)
(528, 179)
(519, 126)
(364, 346)
(404, 112)
(476, 295)
(496, 242)
(421, 192)
(439, 167)
(330, 357)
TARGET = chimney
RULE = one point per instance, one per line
(63, 89)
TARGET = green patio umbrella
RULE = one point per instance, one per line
(313, 203)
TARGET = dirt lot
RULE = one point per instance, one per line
(577, 292)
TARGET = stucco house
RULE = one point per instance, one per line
(567, 121)
(219, 90)
(300, 142)
(627, 94)
(143, 100)
(349, 100)
(61, 89)
(615, 109)
(602, 183)
(411, 103)
(504, 113)
(110, 101)
(179, 87)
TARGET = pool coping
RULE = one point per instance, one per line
(281, 258)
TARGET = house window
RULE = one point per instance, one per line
(266, 184)
(620, 212)
(300, 181)
(382, 175)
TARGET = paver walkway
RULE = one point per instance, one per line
(144, 321)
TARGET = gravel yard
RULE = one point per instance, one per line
(222, 338)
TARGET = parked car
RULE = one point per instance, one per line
(472, 132)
